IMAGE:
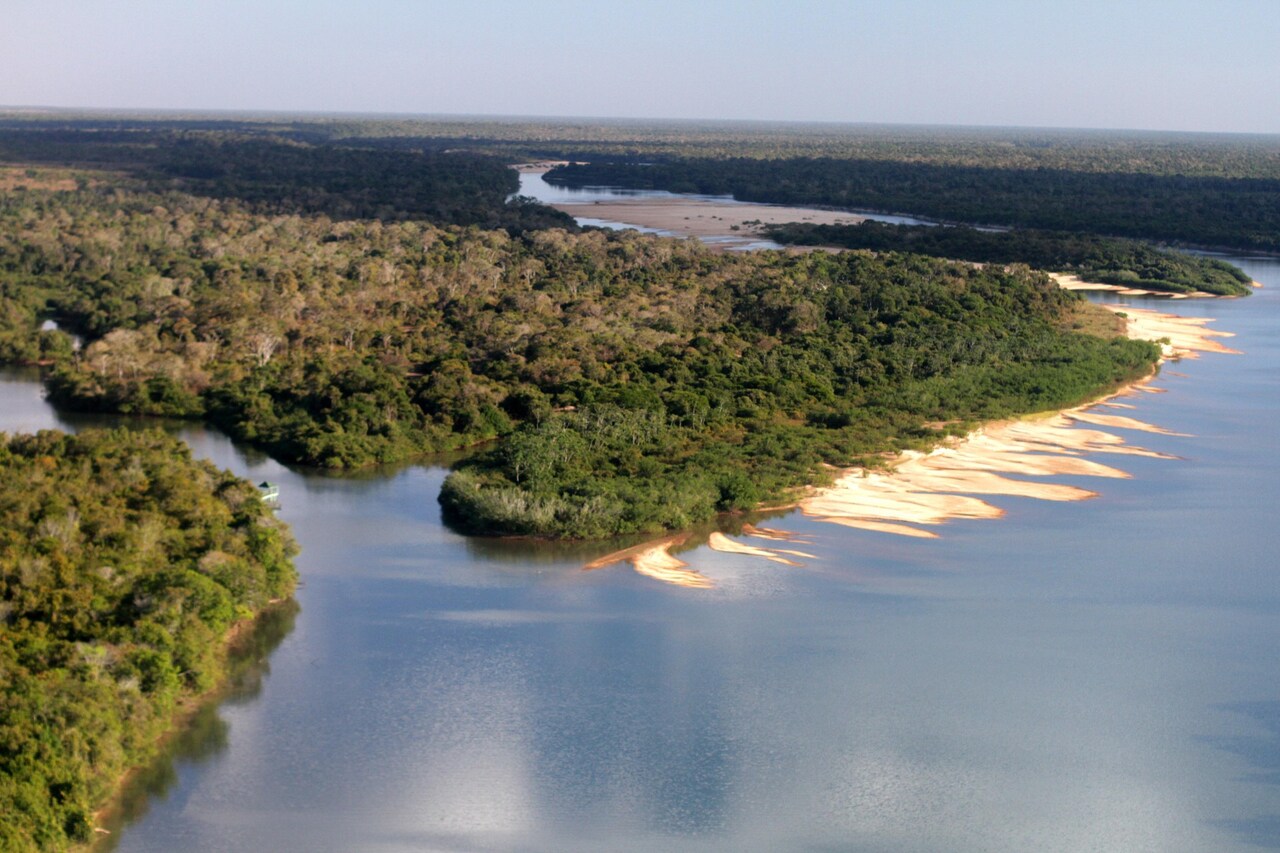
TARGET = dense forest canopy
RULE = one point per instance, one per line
(1138, 152)
(1106, 260)
(123, 563)
(348, 342)
(272, 174)
(1202, 189)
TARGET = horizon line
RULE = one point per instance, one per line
(512, 118)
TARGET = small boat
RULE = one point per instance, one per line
(270, 493)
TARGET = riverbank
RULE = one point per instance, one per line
(243, 652)
(918, 491)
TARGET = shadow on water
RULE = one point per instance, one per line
(204, 734)
(1261, 752)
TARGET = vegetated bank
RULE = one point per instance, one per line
(124, 565)
(1208, 210)
(638, 383)
(1105, 260)
(816, 361)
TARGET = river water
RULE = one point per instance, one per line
(1101, 675)
(534, 185)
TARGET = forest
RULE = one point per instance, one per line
(124, 564)
(650, 140)
(1106, 260)
(272, 174)
(701, 382)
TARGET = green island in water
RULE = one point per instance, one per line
(342, 297)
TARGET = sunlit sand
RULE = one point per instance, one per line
(919, 492)
(655, 560)
(706, 219)
(1186, 337)
(1073, 282)
(720, 542)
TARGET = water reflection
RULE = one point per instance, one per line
(205, 733)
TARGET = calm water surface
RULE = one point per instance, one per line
(1093, 676)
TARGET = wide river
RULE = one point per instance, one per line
(1102, 675)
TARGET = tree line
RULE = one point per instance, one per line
(1106, 260)
(345, 343)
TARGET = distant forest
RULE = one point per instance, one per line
(1214, 211)
(1106, 260)
(270, 174)
(1196, 189)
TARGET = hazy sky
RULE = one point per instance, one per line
(1174, 64)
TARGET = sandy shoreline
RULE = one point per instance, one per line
(921, 491)
(918, 491)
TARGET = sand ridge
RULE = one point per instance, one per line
(655, 560)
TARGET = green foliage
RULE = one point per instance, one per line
(639, 383)
(272, 174)
(817, 361)
(1108, 260)
(123, 562)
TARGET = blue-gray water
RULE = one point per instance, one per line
(1092, 676)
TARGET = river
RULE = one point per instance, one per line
(1102, 675)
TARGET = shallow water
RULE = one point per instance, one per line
(1098, 675)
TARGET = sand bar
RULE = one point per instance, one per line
(719, 542)
(707, 219)
(655, 560)
(1187, 336)
(921, 489)
(1074, 282)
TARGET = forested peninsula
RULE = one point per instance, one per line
(124, 565)
(639, 384)
(1105, 260)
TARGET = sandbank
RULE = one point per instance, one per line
(923, 489)
(723, 224)
(539, 167)
(719, 542)
(1186, 337)
(1074, 282)
(655, 560)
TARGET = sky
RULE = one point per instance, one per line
(1141, 64)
